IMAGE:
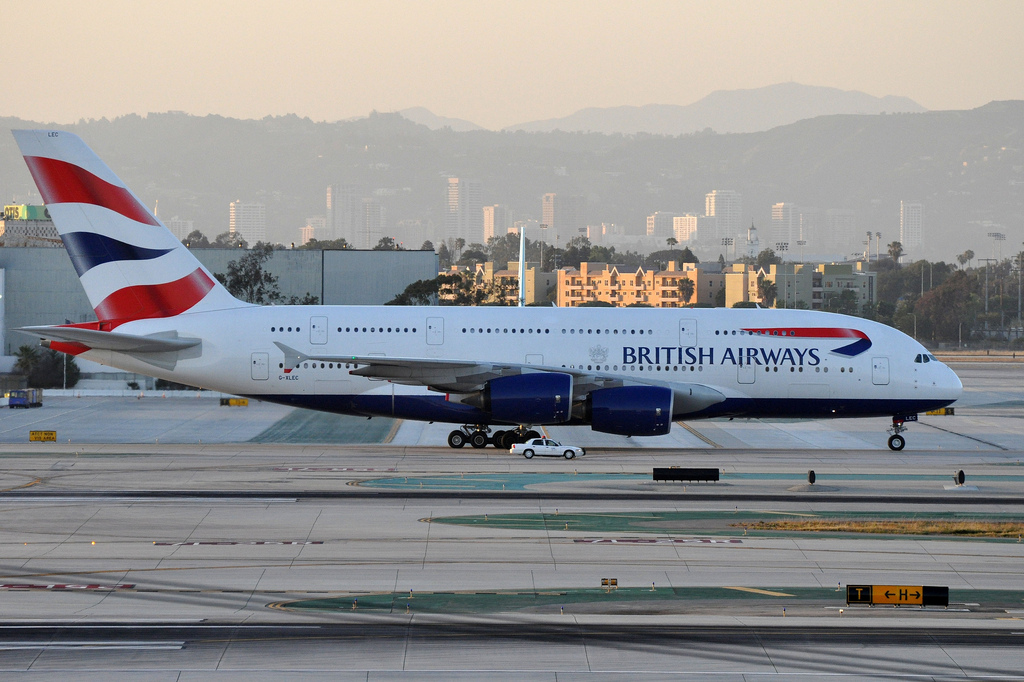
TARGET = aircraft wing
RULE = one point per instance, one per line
(114, 341)
(467, 376)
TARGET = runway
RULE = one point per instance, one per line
(405, 560)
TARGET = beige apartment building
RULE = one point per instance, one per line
(801, 285)
(614, 284)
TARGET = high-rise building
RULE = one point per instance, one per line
(660, 225)
(785, 226)
(496, 221)
(692, 228)
(248, 220)
(371, 227)
(911, 227)
(840, 230)
(565, 217)
(179, 228)
(344, 212)
(727, 207)
(465, 215)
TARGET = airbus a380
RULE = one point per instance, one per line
(629, 371)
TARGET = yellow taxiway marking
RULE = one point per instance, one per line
(698, 434)
(394, 430)
(786, 513)
(757, 591)
(23, 485)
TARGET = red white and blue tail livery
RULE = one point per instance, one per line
(495, 371)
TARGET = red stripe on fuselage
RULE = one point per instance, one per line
(62, 182)
(155, 300)
(810, 332)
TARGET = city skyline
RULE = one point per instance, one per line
(343, 60)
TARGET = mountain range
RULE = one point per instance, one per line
(723, 111)
(965, 167)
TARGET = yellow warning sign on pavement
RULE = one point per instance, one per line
(42, 436)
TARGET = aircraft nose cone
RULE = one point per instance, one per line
(952, 385)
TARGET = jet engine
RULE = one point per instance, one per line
(535, 398)
(630, 410)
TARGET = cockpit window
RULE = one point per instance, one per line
(917, 358)
(934, 359)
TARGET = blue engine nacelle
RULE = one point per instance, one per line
(536, 398)
(631, 410)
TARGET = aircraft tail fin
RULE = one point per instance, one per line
(130, 265)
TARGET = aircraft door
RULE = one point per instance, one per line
(435, 331)
(318, 330)
(746, 374)
(880, 371)
(687, 333)
(260, 366)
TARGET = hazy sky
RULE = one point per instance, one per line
(494, 63)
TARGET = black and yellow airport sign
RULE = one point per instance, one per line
(898, 595)
(42, 436)
(941, 412)
(234, 402)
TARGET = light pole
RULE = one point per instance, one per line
(727, 242)
(543, 236)
(783, 247)
(986, 261)
(801, 243)
(915, 324)
(878, 256)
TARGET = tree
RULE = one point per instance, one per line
(444, 256)
(949, 308)
(427, 246)
(247, 280)
(671, 241)
(766, 259)
(968, 256)
(895, 252)
(324, 245)
(196, 240)
(721, 261)
(227, 240)
(388, 244)
(766, 290)
(47, 369)
(686, 289)
(28, 357)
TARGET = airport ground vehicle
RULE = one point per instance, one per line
(545, 447)
(25, 397)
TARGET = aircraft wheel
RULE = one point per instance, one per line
(896, 442)
(531, 434)
(569, 454)
(478, 440)
(528, 454)
(498, 439)
(507, 439)
(456, 439)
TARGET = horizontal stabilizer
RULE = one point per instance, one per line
(115, 341)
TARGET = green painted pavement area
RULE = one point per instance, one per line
(639, 599)
(306, 426)
(716, 523)
(521, 481)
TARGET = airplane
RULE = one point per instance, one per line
(625, 371)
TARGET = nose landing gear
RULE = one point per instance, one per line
(896, 441)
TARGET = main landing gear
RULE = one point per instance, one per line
(477, 436)
(896, 441)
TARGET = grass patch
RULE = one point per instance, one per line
(979, 529)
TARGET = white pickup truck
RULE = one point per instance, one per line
(546, 447)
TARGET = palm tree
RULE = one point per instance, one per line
(671, 241)
(969, 255)
(895, 252)
(28, 358)
(686, 288)
(766, 291)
